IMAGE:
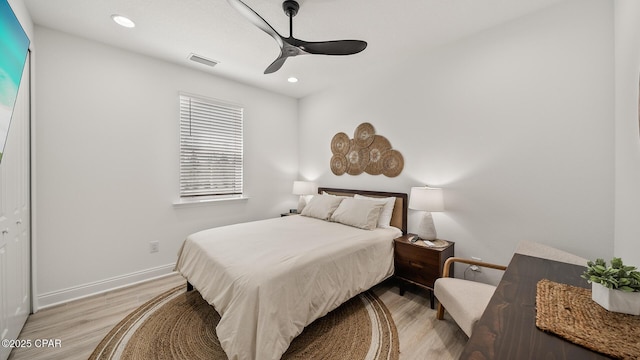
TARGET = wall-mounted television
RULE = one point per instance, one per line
(14, 45)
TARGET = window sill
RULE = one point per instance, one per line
(185, 202)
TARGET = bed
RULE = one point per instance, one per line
(269, 279)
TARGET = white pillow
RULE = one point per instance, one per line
(360, 213)
(340, 196)
(384, 221)
(321, 206)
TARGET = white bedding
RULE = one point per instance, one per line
(269, 279)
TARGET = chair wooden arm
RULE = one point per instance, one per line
(446, 271)
(451, 260)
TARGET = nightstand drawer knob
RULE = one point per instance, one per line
(416, 265)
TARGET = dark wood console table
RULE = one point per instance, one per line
(507, 329)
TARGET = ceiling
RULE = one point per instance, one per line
(173, 29)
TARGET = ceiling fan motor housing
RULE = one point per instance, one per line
(290, 7)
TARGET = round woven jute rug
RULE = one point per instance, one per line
(181, 325)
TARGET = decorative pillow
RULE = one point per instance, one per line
(340, 196)
(321, 206)
(360, 213)
(384, 221)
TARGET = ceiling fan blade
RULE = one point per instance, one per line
(291, 46)
(256, 19)
(276, 65)
(336, 47)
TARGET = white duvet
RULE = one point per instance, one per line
(269, 279)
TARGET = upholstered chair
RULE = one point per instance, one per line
(464, 300)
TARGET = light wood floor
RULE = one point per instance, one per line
(81, 324)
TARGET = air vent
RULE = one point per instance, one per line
(202, 60)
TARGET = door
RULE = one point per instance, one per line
(15, 220)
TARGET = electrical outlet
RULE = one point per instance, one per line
(154, 246)
(476, 267)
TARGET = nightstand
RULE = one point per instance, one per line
(418, 264)
(288, 214)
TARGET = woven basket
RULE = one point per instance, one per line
(364, 135)
(392, 163)
(338, 164)
(340, 143)
(357, 159)
(377, 148)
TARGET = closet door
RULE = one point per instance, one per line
(15, 224)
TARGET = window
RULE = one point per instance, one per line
(210, 147)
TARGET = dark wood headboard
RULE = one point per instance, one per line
(399, 217)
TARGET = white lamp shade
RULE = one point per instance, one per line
(426, 199)
(304, 188)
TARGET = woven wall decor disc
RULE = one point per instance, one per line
(338, 164)
(364, 135)
(357, 159)
(392, 163)
(340, 143)
(378, 147)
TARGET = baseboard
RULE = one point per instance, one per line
(81, 291)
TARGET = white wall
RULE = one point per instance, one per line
(516, 123)
(627, 134)
(107, 163)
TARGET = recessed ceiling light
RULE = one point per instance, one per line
(292, 79)
(123, 21)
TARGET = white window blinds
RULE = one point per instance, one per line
(210, 147)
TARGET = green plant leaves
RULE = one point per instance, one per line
(617, 276)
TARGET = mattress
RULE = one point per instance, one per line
(269, 279)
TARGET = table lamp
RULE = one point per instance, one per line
(303, 188)
(426, 199)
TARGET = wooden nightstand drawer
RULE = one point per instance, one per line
(416, 265)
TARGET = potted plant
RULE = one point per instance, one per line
(616, 287)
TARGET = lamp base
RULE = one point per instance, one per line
(427, 230)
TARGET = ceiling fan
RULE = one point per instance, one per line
(290, 46)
